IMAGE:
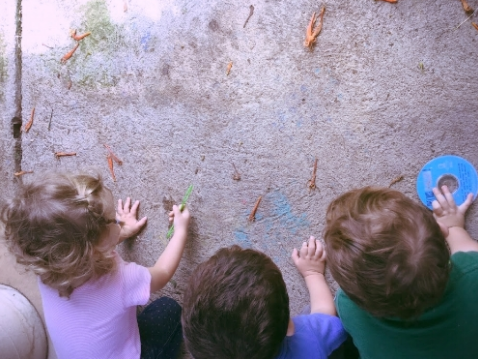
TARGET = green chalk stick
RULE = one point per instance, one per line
(181, 208)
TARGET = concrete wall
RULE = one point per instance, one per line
(386, 88)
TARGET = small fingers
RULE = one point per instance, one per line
(295, 255)
(437, 210)
(448, 196)
(120, 206)
(142, 221)
(440, 198)
(465, 205)
(303, 250)
(135, 207)
(127, 205)
(319, 250)
(311, 246)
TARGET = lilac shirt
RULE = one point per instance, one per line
(315, 336)
(99, 319)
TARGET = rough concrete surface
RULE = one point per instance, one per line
(386, 88)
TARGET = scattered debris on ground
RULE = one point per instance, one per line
(251, 12)
(76, 37)
(252, 216)
(311, 34)
(64, 154)
(396, 180)
(69, 54)
(236, 176)
(29, 124)
(21, 173)
(311, 182)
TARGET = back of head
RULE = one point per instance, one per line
(54, 226)
(235, 306)
(386, 252)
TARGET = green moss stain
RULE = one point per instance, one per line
(3, 64)
(105, 37)
(94, 64)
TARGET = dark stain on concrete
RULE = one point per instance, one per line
(213, 25)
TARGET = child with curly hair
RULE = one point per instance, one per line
(65, 228)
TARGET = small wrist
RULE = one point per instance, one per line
(180, 232)
(313, 274)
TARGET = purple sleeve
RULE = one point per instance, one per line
(328, 330)
(136, 284)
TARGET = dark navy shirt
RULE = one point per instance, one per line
(315, 336)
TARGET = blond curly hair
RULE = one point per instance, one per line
(55, 225)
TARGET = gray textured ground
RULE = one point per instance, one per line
(387, 88)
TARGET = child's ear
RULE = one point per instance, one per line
(444, 229)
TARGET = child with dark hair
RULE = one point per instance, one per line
(65, 229)
(402, 295)
(237, 306)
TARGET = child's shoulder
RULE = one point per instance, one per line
(465, 262)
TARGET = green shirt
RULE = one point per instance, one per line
(448, 330)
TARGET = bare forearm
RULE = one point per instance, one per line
(321, 299)
(460, 241)
(168, 261)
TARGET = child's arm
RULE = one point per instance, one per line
(310, 261)
(451, 219)
(168, 261)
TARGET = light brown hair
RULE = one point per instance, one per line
(386, 252)
(235, 306)
(54, 226)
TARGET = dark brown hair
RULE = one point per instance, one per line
(235, 306)
(386, 252)
(54, 227)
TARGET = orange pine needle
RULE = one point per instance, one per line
(64, 154)
(68, 55)
(396, 180)
(311, 182)
(29, 124)
(468, 9)
(21, 173)
(475, 25)
(311, 34)
(390, 1)
(229, 67)
(79, 37)
(110, 165)
(113, 156)
(252, 216)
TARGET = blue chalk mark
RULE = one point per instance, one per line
(303, 88)
(329, 119)
(340, 97)
(283, 211)
(145, 40)
(242, 239)
(281, 116)
(317, 71)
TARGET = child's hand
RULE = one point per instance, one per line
(446, 212)
(181, 219)
(310, 260)
(127, 219)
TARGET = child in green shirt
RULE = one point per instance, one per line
(408, 278)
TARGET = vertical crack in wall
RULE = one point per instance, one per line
(17, 120)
